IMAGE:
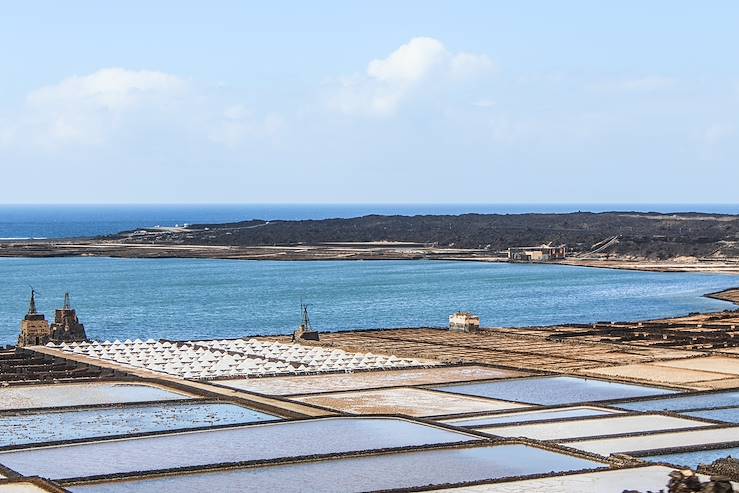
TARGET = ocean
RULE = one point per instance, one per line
(196, 298)
(59, 221)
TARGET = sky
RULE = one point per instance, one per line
(369, 102)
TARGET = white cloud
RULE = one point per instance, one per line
(114, 104)
(113, 89)
(389, 81)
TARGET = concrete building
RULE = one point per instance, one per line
(36, 331)
(464, 322)
(540, 253)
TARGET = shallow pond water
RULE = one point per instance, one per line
(69, 425)
(597, 426)
(657, 441)
(403, 470)
(268, 441)
(521, 417)
(729, 415)
(554, 390)
(694, 459)
(683, 403)
(81, 394)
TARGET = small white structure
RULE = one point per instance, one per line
(464, 322)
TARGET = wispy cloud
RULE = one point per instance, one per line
(389, 81)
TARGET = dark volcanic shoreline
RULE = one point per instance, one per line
(621, 240)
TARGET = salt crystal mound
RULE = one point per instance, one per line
(213, 359)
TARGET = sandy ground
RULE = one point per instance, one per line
(652, 373)
(311, 384)
(717, 364)
(407, 401)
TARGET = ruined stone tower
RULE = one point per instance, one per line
(35, 330)
(66, 326)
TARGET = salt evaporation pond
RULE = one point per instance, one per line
(612, 425)
(268, 441)
(403, 470)
(520, 417)
(81, 394)
(685, 403)
(554, 390)
(181, 298)
(729, 415)
(694, 459)
(39, 427)
(656, 441)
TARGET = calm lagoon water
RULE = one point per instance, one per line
(196, 298)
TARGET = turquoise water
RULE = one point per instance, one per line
(70, 425)
(194, 298)
(380, 472)
(553, 390)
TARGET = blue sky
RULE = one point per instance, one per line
(469, 101)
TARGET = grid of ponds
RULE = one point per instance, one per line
(36, 427)
(377, 472)
(82, 394)
(526, 416)
(695, 458)
(554, 390)
(255, 442)
(685, 403)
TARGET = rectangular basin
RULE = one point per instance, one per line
(554, 390)
(82, 394)
(597, 426)
(49, 426)
(255, 442)
(378, 472)
(407, 401)
(525, 416)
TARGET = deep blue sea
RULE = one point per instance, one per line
(57, 221)
(193, 298)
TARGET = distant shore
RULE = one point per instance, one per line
(339, 251)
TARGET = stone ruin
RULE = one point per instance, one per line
(36, 331)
